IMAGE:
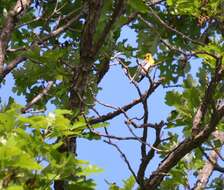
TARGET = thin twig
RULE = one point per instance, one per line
(124, 157)
(114, 137)
(169, 27)
(38, 97)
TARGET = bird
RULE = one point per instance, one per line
(144, 67)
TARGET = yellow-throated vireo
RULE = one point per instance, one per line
(144, 67)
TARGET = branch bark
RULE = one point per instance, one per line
(146, 159)
(38, 97)
(81, 73)
(207, 99)
(8, 27)
(189, 144)
(181, 150)
(210, 164)
(14, 63)
(167, 26)
(113, 114)
(119, 7)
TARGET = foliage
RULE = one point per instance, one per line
(58, 52)
(29, 153)
(128, 184)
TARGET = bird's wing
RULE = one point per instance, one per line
(138, 71)
(143, 67)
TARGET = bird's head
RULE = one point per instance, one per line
(148, 55)
(149, 58)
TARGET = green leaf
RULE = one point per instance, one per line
(114, 186)
(63, 112)
(26, 162)
(82, 185)
(89, 170)
(129, 183)
(185, 6)
(79, 125)
(169, 2)
(37, 122)
(15, 187)
(138, 5)
(90, 136)
(189, 82)
(209, 51)
(173, 98)
(99, 125)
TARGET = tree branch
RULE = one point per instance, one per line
(64, 27)
(81, 73)
(146, 159)
(210, 165)
(207, 99)
(188, 144)
(13, 64)
(164, 24)
(8, 27)
(182, 149)
(124, 157)
(38, 97)
(119, 7)
(104, 67)
(113, 114)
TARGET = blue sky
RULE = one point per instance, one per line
(117, 91)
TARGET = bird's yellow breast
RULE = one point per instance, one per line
(149, 59)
